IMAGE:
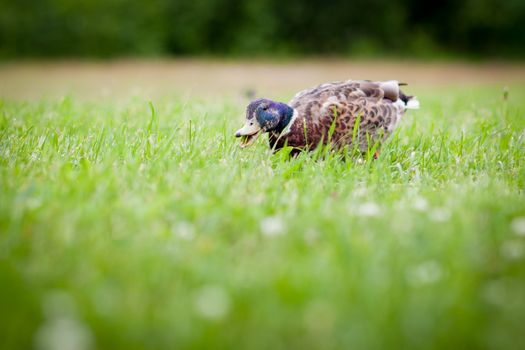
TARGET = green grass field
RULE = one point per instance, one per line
(127, 226)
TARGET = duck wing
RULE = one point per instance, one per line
(378, 106)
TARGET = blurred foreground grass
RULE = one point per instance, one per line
(125, 225)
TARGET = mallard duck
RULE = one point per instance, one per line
(327, 114)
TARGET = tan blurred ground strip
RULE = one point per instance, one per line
(123, 78)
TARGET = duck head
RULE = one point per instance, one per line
(263, 115)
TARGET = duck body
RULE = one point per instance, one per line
(328, 114)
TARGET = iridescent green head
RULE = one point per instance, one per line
(263, 115)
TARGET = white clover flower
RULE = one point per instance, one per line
(212, 302)
(63, 334)
(518, 226)
(184, 230)
(368, 209)
(512, 249)
(440, 215)
(311, 236)
(425, 273)
(360, 191)
(61, 329)
(495, 293)
(272, 226)
(420, 204)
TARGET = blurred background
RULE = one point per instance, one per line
(109, 28)
(151, 47)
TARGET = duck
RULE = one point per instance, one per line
(327, 114)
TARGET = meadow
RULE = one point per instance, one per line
(141, 223)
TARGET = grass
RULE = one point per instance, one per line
(137, 224)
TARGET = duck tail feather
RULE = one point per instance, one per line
(412, 103)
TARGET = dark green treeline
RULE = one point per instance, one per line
(104, 28)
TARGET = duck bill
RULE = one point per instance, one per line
(248, 134)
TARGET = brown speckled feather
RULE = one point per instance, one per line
(379, 106)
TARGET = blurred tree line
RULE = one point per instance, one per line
(104, 28)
